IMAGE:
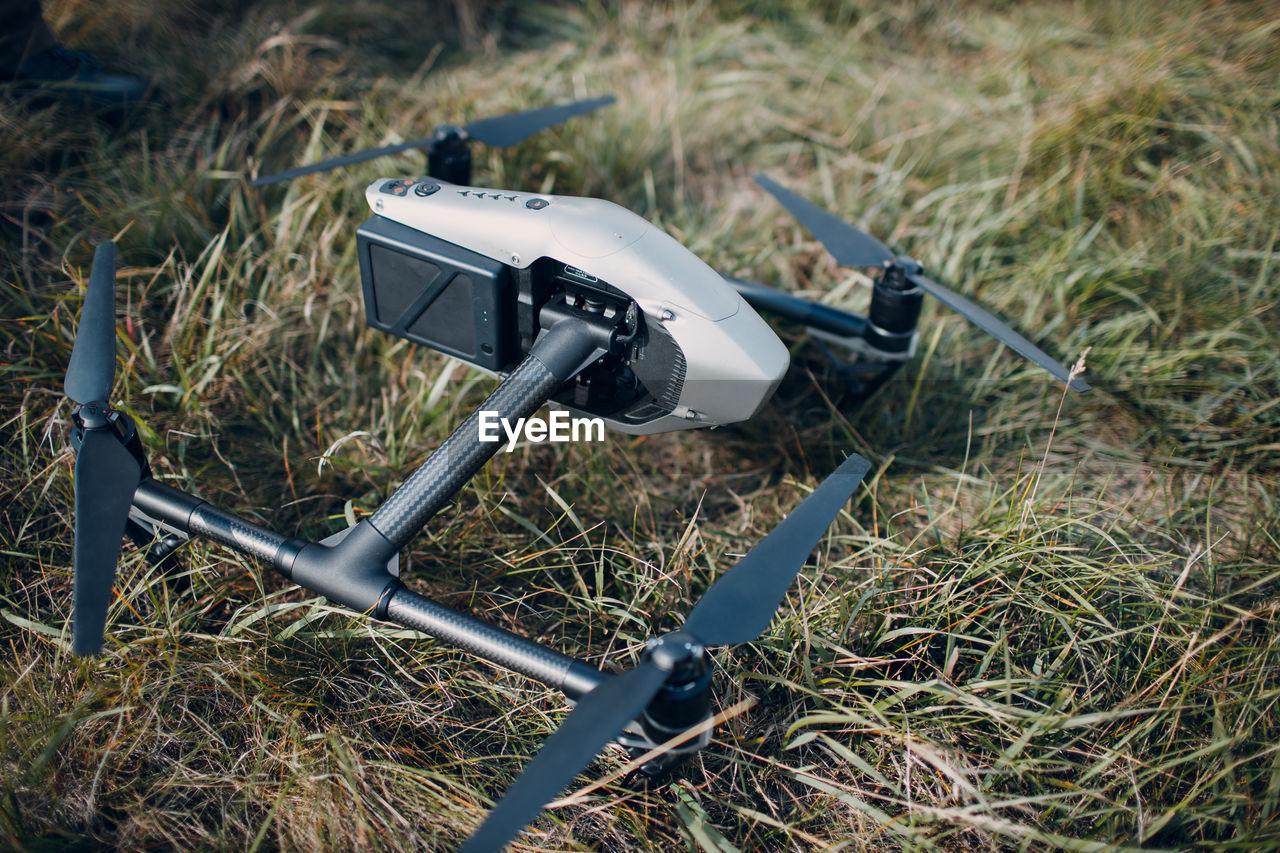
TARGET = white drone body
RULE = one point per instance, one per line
(731, 360)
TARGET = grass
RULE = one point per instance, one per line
(1045, 624)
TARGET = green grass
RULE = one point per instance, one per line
(1045, 624)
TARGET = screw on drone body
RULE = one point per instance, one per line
(515, 259)
(667, 315)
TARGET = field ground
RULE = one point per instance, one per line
(1043, 624)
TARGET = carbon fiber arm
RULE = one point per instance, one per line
(461, 455)
(177, 510)
(556, 357)
(573, 677)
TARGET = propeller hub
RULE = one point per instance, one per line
(448, 155)
(448, 137)
(98, 415)
(95, 415)
(684, 700)
(894, 276)
(680, 655)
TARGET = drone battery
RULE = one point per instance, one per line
(425, 290)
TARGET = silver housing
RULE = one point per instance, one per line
(734, 361)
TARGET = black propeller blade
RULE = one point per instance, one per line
(740, 605)
(106, 477)
(978, 316)
(852, 247)
(597, 719)
(106, 473)
(498, 131)
(339, 162)
(92, 368)
(736, 609)
(508, 130)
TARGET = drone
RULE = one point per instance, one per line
(573, 302)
